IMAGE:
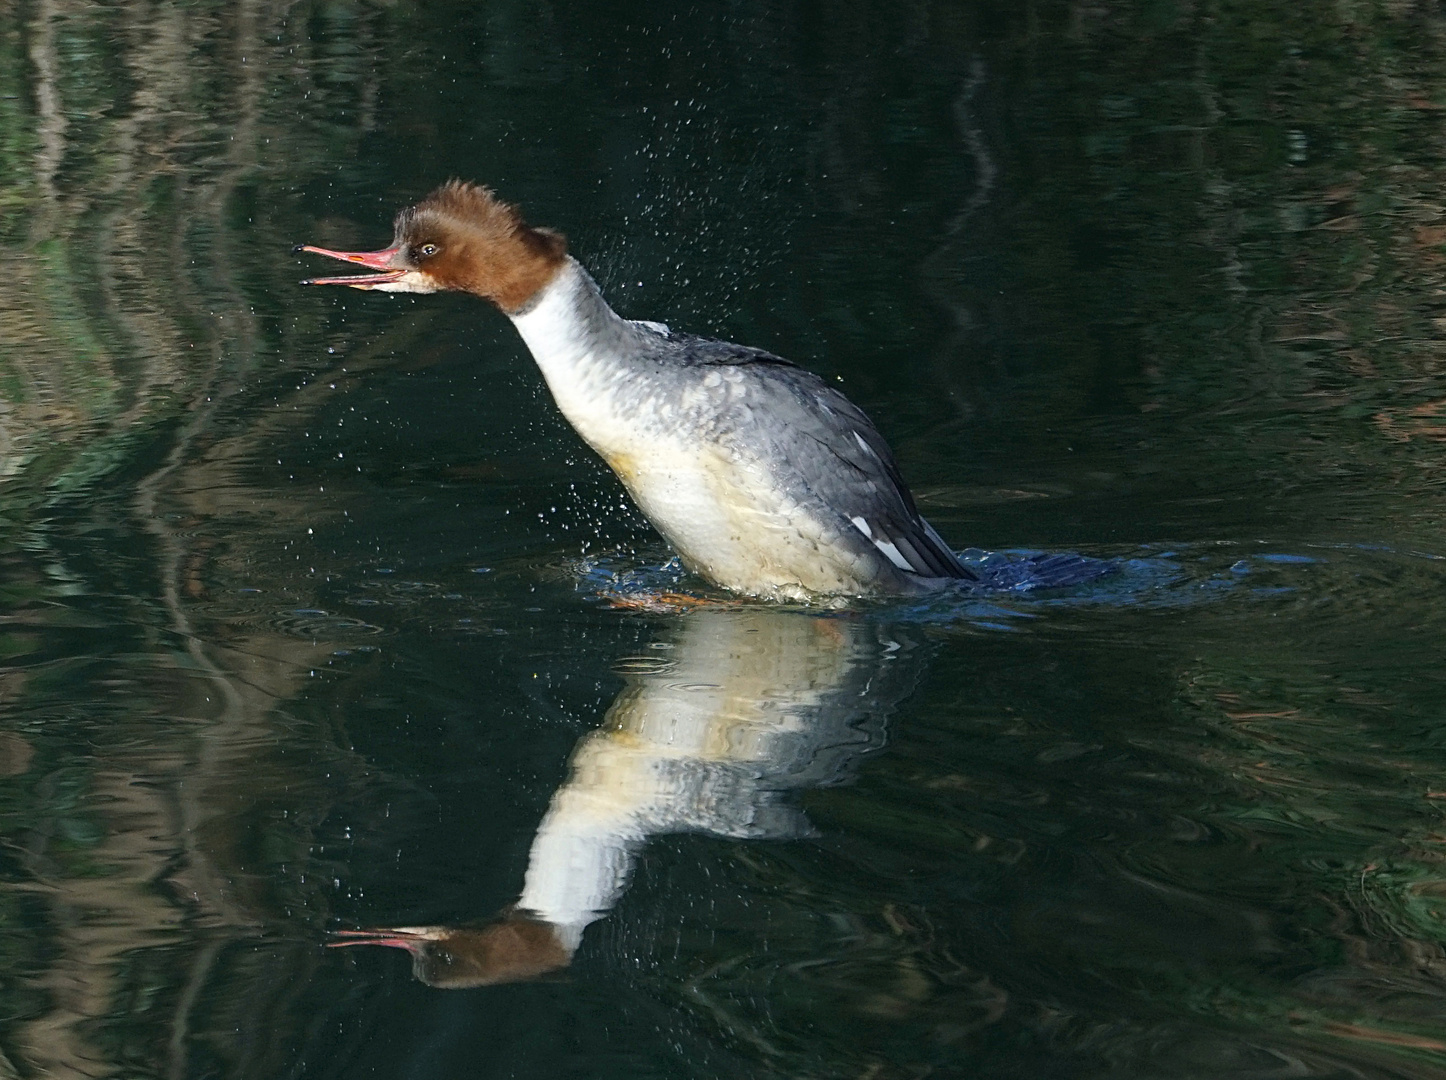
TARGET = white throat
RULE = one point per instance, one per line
(585, 349)
(569, 323)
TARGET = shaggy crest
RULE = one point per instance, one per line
(483, 245)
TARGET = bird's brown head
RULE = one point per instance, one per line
(451, 958)
(461, 238)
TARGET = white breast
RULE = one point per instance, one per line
(725, 522)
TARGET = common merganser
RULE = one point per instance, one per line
(763, 478)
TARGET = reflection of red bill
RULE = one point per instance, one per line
(396, 937)
(377, 260)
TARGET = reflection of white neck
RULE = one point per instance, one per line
(755, 703)
(580, 862)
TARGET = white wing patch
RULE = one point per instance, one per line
(886, 546)
(655, 327)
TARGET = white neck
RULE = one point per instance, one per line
(576, 339)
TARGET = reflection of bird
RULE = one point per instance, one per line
(748, 706)
(763, 478)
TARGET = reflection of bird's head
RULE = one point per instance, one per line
(455, 959)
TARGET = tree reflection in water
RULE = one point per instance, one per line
(143, 732)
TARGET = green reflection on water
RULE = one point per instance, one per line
(1106, 273)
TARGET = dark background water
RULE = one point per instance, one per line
(305, 609)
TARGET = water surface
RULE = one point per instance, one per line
(309, 595)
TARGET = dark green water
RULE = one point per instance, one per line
(306, 624)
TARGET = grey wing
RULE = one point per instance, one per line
(827, 445)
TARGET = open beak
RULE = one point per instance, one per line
(377, 260)
(400, 937)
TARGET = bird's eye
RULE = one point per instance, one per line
(427, 250)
